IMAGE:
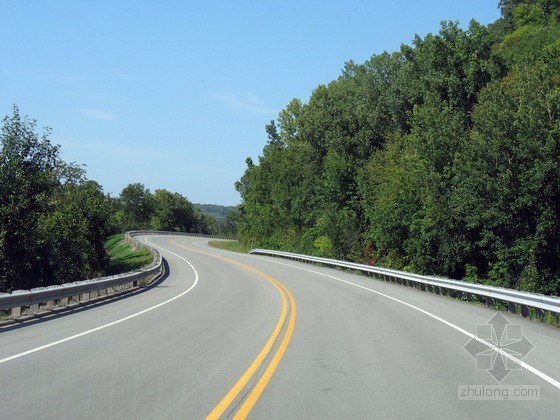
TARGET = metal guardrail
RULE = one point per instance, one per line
(169, 233)
(454, 288)
(81, 291)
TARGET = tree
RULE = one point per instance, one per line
(391, 185)
(72, 232)
(507, 183)
(30, 170)
(521, 12)
(52, 220)
(441, 158)
(173, 212)
(454, 65)
(136, 207)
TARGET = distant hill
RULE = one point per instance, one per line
(215, 210)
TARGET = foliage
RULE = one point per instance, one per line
(52, 220)
(507, 188)
(221, 220)
(215, 210)
(440, 158)
(172, 211)
(137, 208)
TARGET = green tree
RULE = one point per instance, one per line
(52, 220)
(278, 200)
(30, 170)
(173, 212)
(454, 65)
(441, 158)
(136, 207)
(229, 226)
(516, 13)
(71, 233)
(507, 186)
(392, 195)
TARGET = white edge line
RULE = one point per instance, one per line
(110, 324)
(523, 364)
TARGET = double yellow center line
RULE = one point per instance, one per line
(288, 314)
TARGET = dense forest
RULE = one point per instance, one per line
(54, 221)
(440, 158)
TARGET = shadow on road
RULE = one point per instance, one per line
(83, 306)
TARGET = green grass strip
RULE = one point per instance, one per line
(234, 246)
(123, 258)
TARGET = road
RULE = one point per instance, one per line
(224, 334)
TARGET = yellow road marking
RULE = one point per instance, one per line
(257, 391)
(255, 394)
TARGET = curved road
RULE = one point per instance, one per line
(225, 334)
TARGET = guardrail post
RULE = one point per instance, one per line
(34, 308)
(15, 311)
(488, 295)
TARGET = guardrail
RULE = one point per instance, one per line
(169, 233)
(453, 288)
(34, 300)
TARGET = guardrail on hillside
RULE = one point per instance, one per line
(34, 300)
(453, 288)
(169, 233)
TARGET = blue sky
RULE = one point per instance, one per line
(176, 94)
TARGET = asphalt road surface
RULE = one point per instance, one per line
(226, 334)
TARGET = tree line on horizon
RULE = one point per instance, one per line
(441, 158)
(54, 221)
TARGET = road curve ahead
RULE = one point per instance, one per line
(231, 335)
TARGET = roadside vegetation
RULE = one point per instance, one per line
(54, 221)
(234, 246)
(123, 257)
(440, 158)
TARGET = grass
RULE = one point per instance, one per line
(234, 246)
(123, 258)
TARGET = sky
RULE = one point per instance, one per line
(176, 94)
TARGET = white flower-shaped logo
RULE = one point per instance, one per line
(505, 338)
